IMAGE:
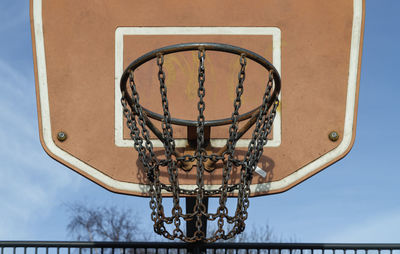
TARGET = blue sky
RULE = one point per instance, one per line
(354, 200)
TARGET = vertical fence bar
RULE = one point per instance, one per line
(181, 248)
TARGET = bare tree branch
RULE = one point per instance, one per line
(102, 223)
(113, 224)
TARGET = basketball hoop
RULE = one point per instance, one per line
(140, 125)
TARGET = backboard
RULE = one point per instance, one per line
(81, 49)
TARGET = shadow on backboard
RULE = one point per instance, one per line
(260, 182)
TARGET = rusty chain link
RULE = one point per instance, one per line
(137, 121)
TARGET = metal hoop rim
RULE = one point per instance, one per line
(196, 46)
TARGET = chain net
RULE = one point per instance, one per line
(138, 123)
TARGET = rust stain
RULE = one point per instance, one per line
(191, 76)
(232, 78)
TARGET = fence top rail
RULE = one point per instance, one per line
(179, 245)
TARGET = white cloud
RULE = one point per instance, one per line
(30, 183)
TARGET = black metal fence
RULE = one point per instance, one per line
(26, 247)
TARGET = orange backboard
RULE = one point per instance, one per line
(81, 49)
